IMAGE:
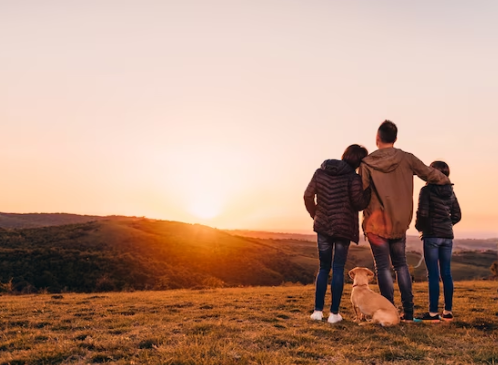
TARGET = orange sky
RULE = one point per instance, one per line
(219, 112)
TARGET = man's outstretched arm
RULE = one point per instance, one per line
(364, 172)
(427, 173)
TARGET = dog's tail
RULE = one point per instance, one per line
(385, 318)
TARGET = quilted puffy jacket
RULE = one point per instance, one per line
(339, 196)
(438, 210)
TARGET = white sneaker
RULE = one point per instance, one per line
(317, 316)
(334, 318)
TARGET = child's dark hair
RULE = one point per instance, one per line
(441, 166)
(388, 132)
(354, 154)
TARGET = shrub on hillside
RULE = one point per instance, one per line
(494, 269)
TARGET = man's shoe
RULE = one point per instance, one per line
(407, 317)
(317, 316)
(447, 317)
(427, 318)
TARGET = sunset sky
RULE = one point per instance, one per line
(219, 112)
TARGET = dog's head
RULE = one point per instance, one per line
(361, 275)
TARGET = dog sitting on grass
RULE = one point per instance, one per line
(368, 304)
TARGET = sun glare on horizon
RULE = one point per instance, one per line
(205, 207)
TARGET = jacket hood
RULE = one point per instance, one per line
(443, 191)
(336, 167)
(384, 160)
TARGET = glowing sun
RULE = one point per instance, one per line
(205, 207)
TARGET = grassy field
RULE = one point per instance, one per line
(260, 325)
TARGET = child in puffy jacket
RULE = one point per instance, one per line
(438, 211)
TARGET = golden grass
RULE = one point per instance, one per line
(266, 325)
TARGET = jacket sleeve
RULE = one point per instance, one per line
(426, 173)
(423, 210)
(365, 175)
(456, 213)
(309, 197)
(359, 198)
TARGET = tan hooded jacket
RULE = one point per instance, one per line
(390, 173)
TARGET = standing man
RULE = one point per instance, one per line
(389, 171)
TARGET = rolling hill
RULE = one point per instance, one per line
(413, 243)
(466, 265)
(35, 220)
(129, 253)
(138, 254)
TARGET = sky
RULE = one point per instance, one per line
(219, 112)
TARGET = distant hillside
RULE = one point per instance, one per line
(272, 235)
(470, 244)
(34, 220)
(413, 243)
(125, 253)
(133, 253)
(466, 265)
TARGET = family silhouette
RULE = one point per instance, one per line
(381, 185)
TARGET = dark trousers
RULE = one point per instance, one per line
(386, 251)
(437, 254)
(333, 253)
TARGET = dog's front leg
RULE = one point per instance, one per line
(362, 316)
(358, 313)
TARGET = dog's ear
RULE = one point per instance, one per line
(352, 273)
(370, 274)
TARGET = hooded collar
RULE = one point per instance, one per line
(385, 159)
(443, 191)
(336, 167)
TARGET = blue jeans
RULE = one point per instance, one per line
(437, 254)
(384, 252)
(336, 251)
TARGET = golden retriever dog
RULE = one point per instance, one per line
(367, 303)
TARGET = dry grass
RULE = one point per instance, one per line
(267, 325)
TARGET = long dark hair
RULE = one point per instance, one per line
(354, 154)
